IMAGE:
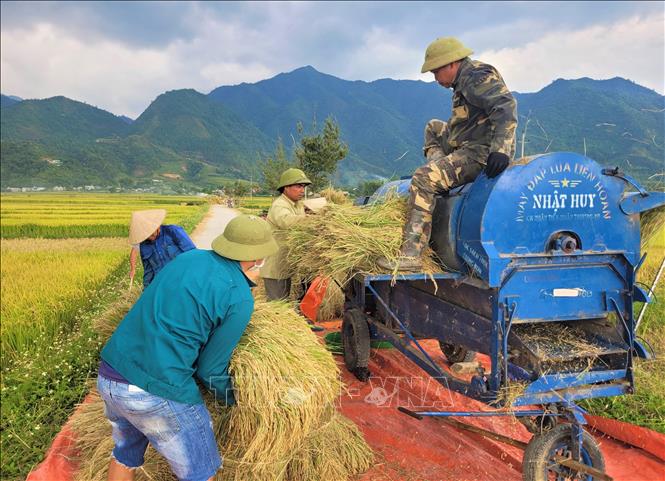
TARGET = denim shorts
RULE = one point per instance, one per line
(182, 433)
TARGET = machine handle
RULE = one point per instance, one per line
(632, 203)
(615, 172)
(408, 412)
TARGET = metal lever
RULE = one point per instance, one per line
(626, 178)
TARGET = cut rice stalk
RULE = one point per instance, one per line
(346, 239)
(286, 386)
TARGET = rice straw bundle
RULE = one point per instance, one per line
(330, 453)
(346, 239)
(284, 425)
(334, 196)
(332, 306)
(286, 381)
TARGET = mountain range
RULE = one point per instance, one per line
(188, 138)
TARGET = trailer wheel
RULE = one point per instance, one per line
(456, 353)
(356, 343)
(539, 463)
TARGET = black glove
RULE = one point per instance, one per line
(496, 163)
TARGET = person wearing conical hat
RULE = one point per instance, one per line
(479, 137)
(156, 243)
(183, 329)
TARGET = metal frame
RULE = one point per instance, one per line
(559, 389)
(553, 388)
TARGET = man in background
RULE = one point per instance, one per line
(285, 211)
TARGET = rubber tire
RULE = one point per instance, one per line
(356, 343)
(456, 353)
(541, 447)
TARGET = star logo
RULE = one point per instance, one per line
(565, 182)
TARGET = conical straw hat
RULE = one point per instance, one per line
(144, 223)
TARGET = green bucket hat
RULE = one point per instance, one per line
(443, 51)
(246, 238)
(293, 176)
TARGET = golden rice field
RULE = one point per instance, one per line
(64, 265)
(45, 282)
(66, 215)
(647, 406)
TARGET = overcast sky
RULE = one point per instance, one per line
(119, 56)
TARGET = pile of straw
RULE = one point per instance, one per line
(284, 425)
(508, 393)
(556, 340)
(334, 196)
(332, 306)
(346, 239)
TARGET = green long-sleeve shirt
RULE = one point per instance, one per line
(185, 325)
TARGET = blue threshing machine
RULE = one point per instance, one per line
(552, 245)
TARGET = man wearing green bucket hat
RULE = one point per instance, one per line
(284, 212)
(479, 136)
(183, 328)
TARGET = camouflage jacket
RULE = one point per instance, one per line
(484, 110)
(283, 214)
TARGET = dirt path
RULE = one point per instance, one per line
(212, 225)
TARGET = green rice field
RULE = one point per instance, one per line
(254, 205)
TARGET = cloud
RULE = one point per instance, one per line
(45, 61)
(132, 23)
(633, 48)
(381, 54)
(120, 56)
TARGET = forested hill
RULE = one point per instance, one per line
(195, 139)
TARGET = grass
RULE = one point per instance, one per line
(44, 384)
(647, 406)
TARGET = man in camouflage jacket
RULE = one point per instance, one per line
(479, 135)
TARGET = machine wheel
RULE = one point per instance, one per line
(456, 353)
(356, 343)
(539, 463)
